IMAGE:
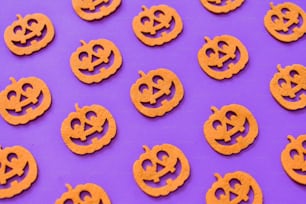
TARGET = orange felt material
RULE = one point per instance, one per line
(18, 99)
(288, 86)
(95, 195)
(152, 87)
(214, 55)
(85, 60)
(152, 173)
(278, 23)
(83, 124)
(152, 26)
(217, 6)
(90, 10)
(25, 35)
(13, 163)
(293, 159)
(223, 126)
(239, 184)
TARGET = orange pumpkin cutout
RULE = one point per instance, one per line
(157, 25)
(288, 87)
(234, 188)
(84, 194)
(221, 6)
(282, 22)
(88, 129)
(230, 129)
(90, 10)
(219, 59)
(18, 171)
(29, 34)
(24, 100)
(159, 168)
(87, 60)
(293, 159)
(151, 94)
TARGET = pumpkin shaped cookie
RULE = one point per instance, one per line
(221, 6)
(24, 100)
(88, 129)
(94, 194)
(293, 159)
(90, 10)
(230, 129)
(288, 86)
(157, 92)
(29, 34)
(283, 22)
(219, 59)
(18, 171)
(91, 63)
(234, 188)
(155, 165)
(157, 25)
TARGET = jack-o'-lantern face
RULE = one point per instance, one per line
(222, 57)
(29, 34)
(233, 188)
(221, 6)
(157, 25)
(157, 92)
(84, 194)
(88, 129)
(153, 169)
(230, 129)
(24, 100)
(18, 170)
(293, 159)
(288, 87)
(95, 61)
(286, 22)
(90, 10)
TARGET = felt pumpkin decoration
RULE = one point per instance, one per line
(88, 129)
(233, 188)
(90, 10)
(283, 22)
(288, 86)
(221, 6)
(88, 193)
(18, 171)
(157, 92)
(230, 129)
(24, 100)
(29, 34)
(158, 169)
(157, 25)
(91, 63)
(219, 59)
(293, 159)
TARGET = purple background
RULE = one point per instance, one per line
(111, 167)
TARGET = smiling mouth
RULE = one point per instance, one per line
(27, 109)
(16, 179)
(33, 40)
(162, 100)
(161, 32)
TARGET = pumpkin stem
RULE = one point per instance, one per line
(19, 16)
(13, 80)
(83, 42)
(68, 186)
(207, 39)
(214, 109)
(144, 8)
(77, 107)
(271, 5)
(141, 73)
(146, 148)
(279, 68)
(290, 138)
(218, 176)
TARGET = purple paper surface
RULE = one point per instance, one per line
(111, 167)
